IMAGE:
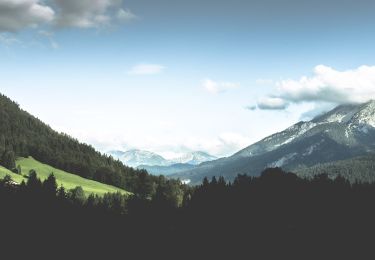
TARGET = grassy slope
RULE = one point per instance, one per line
(68, 180)
(17, 178)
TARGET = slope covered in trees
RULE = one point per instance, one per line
(358, 169)
(23, 135)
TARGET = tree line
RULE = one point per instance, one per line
(275, 214)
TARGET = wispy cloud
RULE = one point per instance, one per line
(272, 103)
(146, 69)
(50, 37)
(215, 87)
(8, 40)
(125, 15)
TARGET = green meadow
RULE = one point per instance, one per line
(65, 179)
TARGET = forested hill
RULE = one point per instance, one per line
(21, 134)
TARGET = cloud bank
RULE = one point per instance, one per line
(16, 15)
(90, 14)
(325, 85)
(19, 14)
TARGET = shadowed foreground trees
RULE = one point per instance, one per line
(274, 215)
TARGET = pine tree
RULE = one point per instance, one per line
(50, 185)
(33, 182)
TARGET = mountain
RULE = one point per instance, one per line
(194, 158)
(156, 164)
(345, 132)
(136, 157)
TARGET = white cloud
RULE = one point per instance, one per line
(233, 142)
(8, 40)
(218, 87)
(146, 69)
(18, 14)
(224, 144)
(125, 15)
(272, 103)
(50, 38)
(327, 85)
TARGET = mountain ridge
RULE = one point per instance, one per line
(147, 160)
(344, 132)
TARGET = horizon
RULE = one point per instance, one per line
(212, 76)
(175, 156)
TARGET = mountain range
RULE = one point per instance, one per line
(346, 132)
(149, 160)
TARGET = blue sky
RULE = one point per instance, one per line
(178, 76)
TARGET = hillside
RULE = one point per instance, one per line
(358, 169)
(15, 177)
(23, 135)
(345, 132)
(68, 180)
(65, 179)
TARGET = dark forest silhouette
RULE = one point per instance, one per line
(276, 213)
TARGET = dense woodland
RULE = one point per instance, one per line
(22, 135)
(357, 169)
(274, 215)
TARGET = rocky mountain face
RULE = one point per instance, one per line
(344, 132)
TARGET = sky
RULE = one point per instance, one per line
(179, 76)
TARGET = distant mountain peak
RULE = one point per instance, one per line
(194, 158)
(137, 157)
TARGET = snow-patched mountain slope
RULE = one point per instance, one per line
(344, 132)
(137, 158)
(194, 158)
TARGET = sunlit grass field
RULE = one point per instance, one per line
(67, 180)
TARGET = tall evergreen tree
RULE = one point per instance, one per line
(50, 186)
